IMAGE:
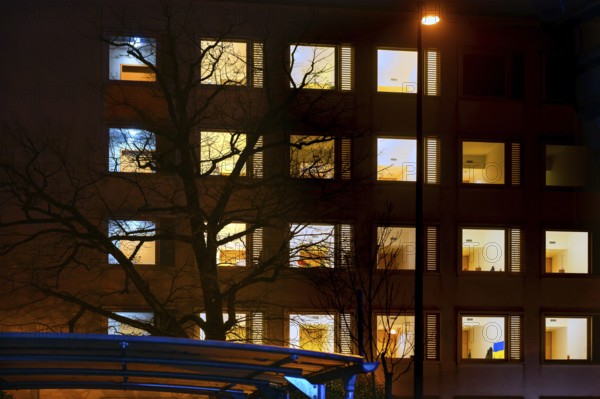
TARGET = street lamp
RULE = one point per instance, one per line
(426, 19)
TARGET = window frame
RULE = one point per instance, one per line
(508, 69)
(151, 154)
(508, 337)
(511, 158)
(342, 240)
(379, 245)
(248, 318)
(341, 162)
(342, 329)
(254, 70)
(426, 69)
(588, 178)
(119, 324)
(155, 243)
(344, 68)
(253, 242)
(590, 245)
(512, 256)
(589, 332)
(112, 37)
(431, 162)
(254, 166)
(408, 357)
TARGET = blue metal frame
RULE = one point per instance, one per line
(213, 368)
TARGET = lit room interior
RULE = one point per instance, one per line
(312, 246)
(118, 328)
(232, 253)
(396, 71)
(146, 253)
(483, 163)
(396, 248)
(483, 250)
(130, 150)
(566, 338)
(123, 66)
(315, 160)
(566, 252)
(214, 145)
(396, 159)
(395, 336)
(225, 62)
(313, 65)
(312, 332)
(482, 337)
(566, 165)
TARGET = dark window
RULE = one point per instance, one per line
(559, 76)
(494, 75)
(484, 75)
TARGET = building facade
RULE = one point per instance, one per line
(319, 103)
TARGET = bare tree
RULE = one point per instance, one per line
(370, 292)
(195, 187)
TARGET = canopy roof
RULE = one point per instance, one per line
(224, 369)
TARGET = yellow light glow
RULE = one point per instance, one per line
(430, 20)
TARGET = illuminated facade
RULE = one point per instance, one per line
(511, 176)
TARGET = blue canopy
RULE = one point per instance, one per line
(213, 368)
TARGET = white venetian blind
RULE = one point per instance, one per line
(256, 328)
(432, 336)
(257, 160)
(515, 250)
(346, 68)
(346, 329)
(346, 151)
(257, 244)
(515, 163)
(432, 73)
(432, 164)
(431, 249)
(258, 65)
(515, 337)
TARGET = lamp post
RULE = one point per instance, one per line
(426, 19)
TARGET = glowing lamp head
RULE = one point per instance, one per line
(393, 332)
(430, 19)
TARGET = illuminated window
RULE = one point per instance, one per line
(232, 63)
(491, 250)
(567, 252)
(483, 163)
(483, 250)
(321, 67)
(566, 338)
(396, 336)
(396, 159)
(248, 328)
(233, 252)
(219, 154)
(117, 328)
(130, 57)
(312, 158)
(131, 150)
(312, 332)
(396, 248)
(493, 338)
(566, 166)
(397, 71)
(312, 246)
(134, 238)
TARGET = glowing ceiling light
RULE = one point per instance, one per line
(430, 20)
